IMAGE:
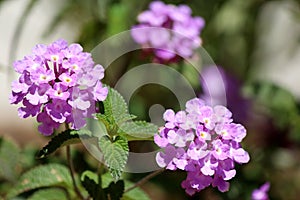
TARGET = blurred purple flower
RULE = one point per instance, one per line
(176, 33)
(261, 193)
(203, 141)
(220, 88)
(53, 82)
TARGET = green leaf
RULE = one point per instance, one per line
(279, 103)
(42, 176)
(138, 130)
(28, 157)
(62, 139)
(49, 194)
(134, 194)
(89, 174)
(115, 190)
(9, 159)
(115, 111)
(4, 187)
(117, 106)
(115, 154)
(89, 181)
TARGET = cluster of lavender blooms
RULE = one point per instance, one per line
(261, 193)
(176, 32)
(58, 84)
(203, 141)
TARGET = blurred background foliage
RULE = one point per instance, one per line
(230, 37)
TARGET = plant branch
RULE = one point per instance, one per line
(72, 171)
(99, 171)
(145, 179)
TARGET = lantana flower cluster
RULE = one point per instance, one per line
(58, 84)
(176, 32)
(205, 142)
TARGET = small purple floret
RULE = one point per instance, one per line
(261, 193)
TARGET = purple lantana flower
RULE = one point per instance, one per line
(261, 193)
(203, 141)
(58, 84)
(173, 31)
(220, 88)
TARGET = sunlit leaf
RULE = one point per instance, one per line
(138, 130)
(49, 194)
(115, 112)
(115, 154)
(42, 176)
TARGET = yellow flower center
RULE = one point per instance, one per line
(202, 134)
(68, 80)
(43, 77)
(224, 133)
(206, 121)
(75, 67)
(54, 58)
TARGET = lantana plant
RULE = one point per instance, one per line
(62, 87)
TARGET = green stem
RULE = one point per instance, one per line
(72, 172)
(71, 167)
(99, 172)
(180, 67)
(145, 179)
